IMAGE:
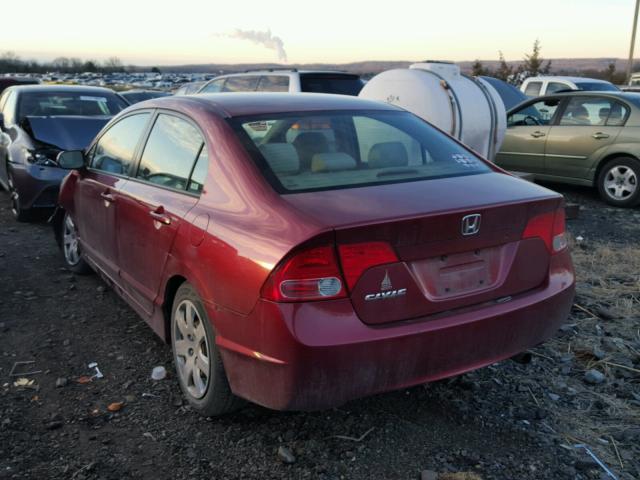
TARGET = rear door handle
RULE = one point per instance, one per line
(538, 134)
(600, 135)
(108, 198)
(159, 216)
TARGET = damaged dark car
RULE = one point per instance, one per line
(36, 123)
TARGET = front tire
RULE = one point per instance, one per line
(198, 363)
(618, 182)
(70, 245)
(19, 213)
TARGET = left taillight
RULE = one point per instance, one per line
(308, 274)
(550, 227)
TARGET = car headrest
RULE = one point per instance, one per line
(604, 113)
(388, 154)
(332, 162)
(281, 157)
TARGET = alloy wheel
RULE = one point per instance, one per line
(620, 182)
(70, 243)
(192, 353)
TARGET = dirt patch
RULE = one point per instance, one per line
(506, 421)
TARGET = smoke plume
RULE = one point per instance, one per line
(266, 39)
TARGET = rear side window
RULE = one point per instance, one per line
(115, 150)
(170, 152)
(332, 150)
(331, 83)
(241, 84)
(273, 83)
(199, 175)
(597, 87)
(533, 89)
(594, 111)
(214, 86)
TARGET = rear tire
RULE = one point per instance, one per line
(70, 246)
(199, 367)
(19, 213)
(618, 182)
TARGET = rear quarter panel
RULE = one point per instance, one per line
(239, 229)
(626, 144)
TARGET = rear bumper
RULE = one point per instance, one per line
(320, 355)
(37, 185)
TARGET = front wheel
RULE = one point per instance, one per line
(71, 246)
(198, 364)
(618, 182)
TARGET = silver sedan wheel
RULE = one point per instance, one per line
(191, 349)
(620, 182)
(70, 241)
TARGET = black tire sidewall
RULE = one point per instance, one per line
(629, 162)
(218, 399)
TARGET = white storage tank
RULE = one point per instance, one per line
(467, 108)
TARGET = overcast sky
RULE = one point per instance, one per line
(333, 31)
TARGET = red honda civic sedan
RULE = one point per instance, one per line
(303, 250)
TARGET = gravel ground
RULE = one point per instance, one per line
(507, 421)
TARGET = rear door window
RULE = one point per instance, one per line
(533, 89)
(115, 151)
(273, 83)
(241, 84)
(593, 111)
(170, 152)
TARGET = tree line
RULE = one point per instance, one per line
(12, 63)
(533, 65)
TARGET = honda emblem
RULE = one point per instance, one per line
(471, 224)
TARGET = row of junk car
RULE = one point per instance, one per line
(299, 250)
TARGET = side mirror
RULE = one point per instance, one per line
(5, 140)
(71, 159)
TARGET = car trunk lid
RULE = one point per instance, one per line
(440, 265)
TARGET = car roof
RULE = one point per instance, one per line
(60, 88)
(258, 103)
(285, 71)
(567, 79)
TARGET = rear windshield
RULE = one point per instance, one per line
(596, 87)
(331, 83)
(91, 104)
(333, 150)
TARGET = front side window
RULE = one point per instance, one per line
(241, 84)
(273, 83)
(114, 152)
(170, 152)
(533, 89)
(538, 113)
(339, 84)
(593, 111)
(88, 104)
(331, 150)
(214, 86)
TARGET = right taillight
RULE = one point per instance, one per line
(308, 274)
(550, 227)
